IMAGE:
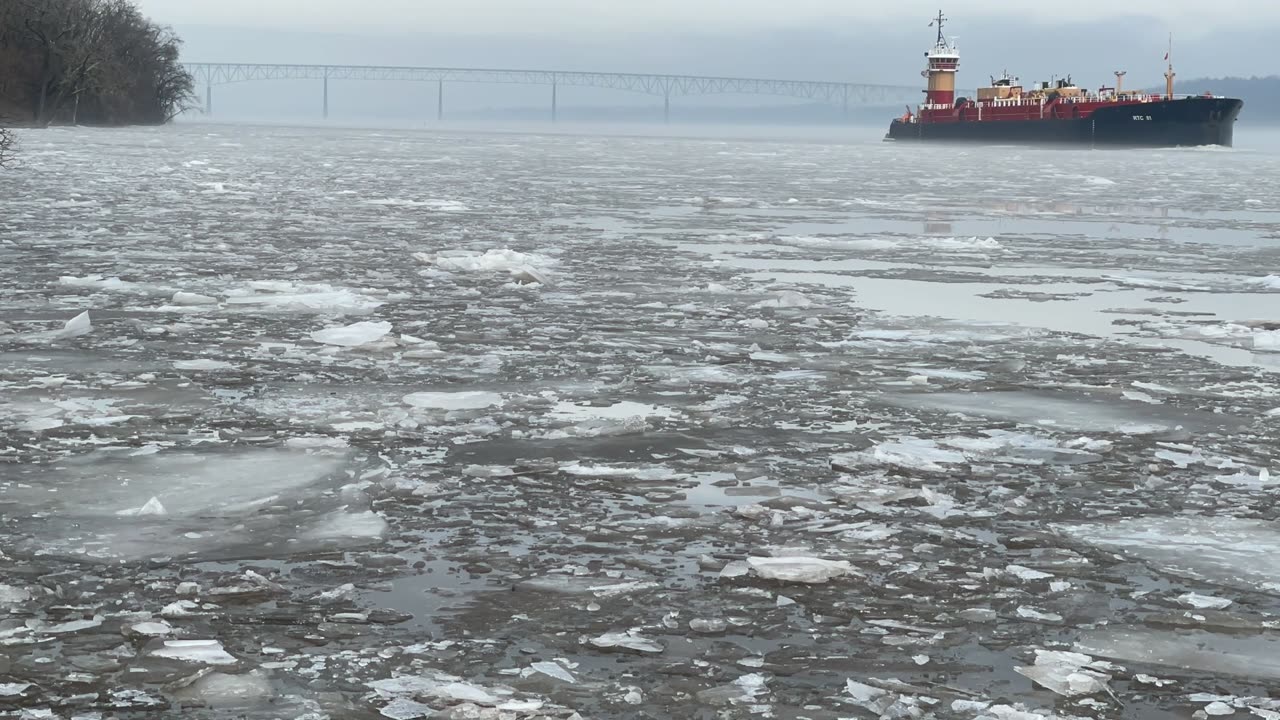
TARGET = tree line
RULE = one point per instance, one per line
(93, 62)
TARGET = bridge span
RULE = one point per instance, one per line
(209, 75)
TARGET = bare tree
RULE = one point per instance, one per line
(6, 146)
(91, 61)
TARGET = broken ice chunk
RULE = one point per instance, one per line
(708, 627)
(192, 299)
(627, 641)
(1217, 707)
(453, 400)
(800, 569)
(489, 471)
(907, 452)
(406, 709)
(207, 652)
(1226, 550)
(981, 615)
(221, 690)
(41, 424)
(743, 690)
(1031, 613)
(77, 326)
(555, 670)
(347, 525)
(11, 689)
(151, 629)
(1025, 573)
(1066, 673)
(1256, 656)
(180, 608)
(440, 686)
(785, 299)
(1204, 602)
(571, 585)
(71, 626)
(529, 276)
(871, 698)
(12, 595)
(152, 507)
(340, 594)
(354, 335)
(513, 706)
(1140, 397)
(1246, 479)
(204, 364)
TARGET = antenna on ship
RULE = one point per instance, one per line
(939, 21)
(1169, 74)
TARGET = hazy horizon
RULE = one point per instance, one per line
(586, 17)
(813, 40)
(893, 56)
(882, 54)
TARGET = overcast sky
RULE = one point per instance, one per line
(561, 16)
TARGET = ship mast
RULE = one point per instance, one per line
(1169, 73)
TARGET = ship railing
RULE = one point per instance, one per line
(1025, 101)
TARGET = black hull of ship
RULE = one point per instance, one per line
(1167, 123)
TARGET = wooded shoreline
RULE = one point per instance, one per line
(88, 62)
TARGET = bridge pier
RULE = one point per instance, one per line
(326, 97)
(440, 101)
(666, 108)
(208, 99)
(554, 109)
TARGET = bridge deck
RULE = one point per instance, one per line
(668, 86)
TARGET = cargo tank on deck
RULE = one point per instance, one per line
(1060, 112)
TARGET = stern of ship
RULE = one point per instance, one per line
(901, 129)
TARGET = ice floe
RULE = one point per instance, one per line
(1250, 656)
(1067, 673)
(1228, 551)
(354, 335)
(796, 569)
(206, 652)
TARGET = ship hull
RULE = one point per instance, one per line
(1165, 123)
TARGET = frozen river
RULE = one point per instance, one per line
(325, 423)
